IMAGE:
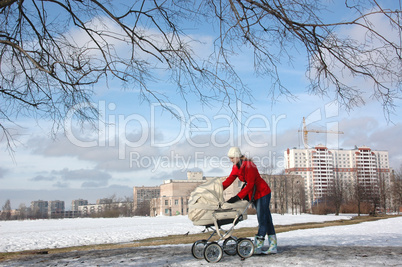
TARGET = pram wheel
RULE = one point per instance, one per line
(198, 249)
(245, 247)
(230, 246)
(213, 252)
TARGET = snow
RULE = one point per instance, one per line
(381, 233)
(41, 234)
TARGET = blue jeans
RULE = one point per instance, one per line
(265, 225)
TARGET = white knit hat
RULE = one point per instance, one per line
(234, 152)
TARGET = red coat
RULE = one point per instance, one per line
(248, 173)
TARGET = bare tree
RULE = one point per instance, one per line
(359, 196)
(282, 193)
(336, 194)
(6, 214)
(367, 194)
(384, 191)
(349, 190)
(396, 178)
(23, 213)
(53, 52)
(373, 197)
(143, 208)
(127, 209)
(287, 193)
(297, 195)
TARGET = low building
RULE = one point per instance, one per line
(105, 207)
(90, 209)
(72, 214)
(174, 194)
(173, 198)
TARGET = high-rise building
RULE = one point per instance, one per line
(320, 167)
(78, 202)
(142, 195)
(56, 208)
(39, 208)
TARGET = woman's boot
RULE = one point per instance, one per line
(272, 245)
(258, 243)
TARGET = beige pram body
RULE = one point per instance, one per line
(208, 208)
(207, 205)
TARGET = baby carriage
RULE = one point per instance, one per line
(208, 208)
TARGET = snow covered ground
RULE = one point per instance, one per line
(40, 234)
(376, 243)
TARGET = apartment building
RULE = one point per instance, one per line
(47, 209)
(320, 167)
(39, 208)
(142, 196)
(78, 202)
(56, 209)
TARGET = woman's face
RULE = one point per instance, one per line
(234, 160)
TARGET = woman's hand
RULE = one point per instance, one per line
(234, 199)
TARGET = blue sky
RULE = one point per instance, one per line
(138, 143)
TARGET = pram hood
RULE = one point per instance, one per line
(208, 198)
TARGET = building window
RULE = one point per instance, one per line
(176, 202)
(166, 202)
(166, 211)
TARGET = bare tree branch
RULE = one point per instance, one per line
(46, 69)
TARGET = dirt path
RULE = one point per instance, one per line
(180, 255)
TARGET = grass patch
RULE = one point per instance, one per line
(191, 238)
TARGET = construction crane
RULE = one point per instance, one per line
(305, 131)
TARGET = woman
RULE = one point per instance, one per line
(247, 172)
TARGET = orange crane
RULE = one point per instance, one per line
(306, 131)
